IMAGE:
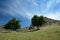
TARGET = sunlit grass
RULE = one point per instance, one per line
(45, 33)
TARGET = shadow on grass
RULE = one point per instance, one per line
(33, 30)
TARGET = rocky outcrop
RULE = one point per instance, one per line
(51, 21)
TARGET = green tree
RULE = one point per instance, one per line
(41, 21)
(18, 26)
(37, 21)
(13, 24)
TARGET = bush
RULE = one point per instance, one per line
(13, 24)
(38, 21)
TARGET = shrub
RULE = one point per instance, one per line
(13, 24)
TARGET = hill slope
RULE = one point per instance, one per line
(45, 33)
(50, 21)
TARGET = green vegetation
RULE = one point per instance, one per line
(49, 32)
(34, 20)
(37, 21)
(13, 24)
(45, 33)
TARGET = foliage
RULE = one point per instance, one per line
(13, 24)
(41, 21)
(37, 21)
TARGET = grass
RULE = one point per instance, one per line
(45, 33)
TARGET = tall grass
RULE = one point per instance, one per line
(45, 33)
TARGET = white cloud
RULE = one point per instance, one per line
(19, 9)
(50, 4)
(33, 2)
(30, 15)
(57, 1)
(55, 16)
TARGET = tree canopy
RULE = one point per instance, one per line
(13, 24)
(37, 21)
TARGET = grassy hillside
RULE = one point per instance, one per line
(45, 33)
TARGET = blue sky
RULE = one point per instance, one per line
(25, 9)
